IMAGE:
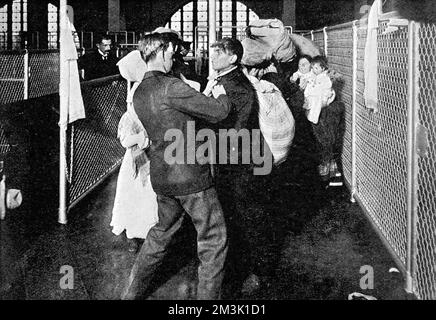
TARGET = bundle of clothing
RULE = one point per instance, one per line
(269, 40)
(275, 119)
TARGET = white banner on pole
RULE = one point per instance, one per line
(71, 101)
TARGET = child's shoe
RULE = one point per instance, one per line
(335, 175)
(324, 170)
(334, 172)
(133, 245)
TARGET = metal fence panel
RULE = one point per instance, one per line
(95, 150)
(382, 142)
(4, 143)
(426, 218)
(11, 76)
(340, 44)
(43, 73)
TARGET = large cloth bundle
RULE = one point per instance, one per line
(275, 119)
(305, 46)
(267, 38)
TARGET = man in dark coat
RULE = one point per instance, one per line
(99, 63)
(239, 188)
(169, 109)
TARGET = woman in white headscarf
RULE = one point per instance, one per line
(135, 205)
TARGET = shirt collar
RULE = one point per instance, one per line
(102, 53)
(219, 75)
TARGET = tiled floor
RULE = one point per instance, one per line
(323, 242)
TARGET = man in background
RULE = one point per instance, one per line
(99, 63)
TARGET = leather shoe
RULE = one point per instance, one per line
(133, 245)
(251, 284)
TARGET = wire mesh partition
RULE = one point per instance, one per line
(340, 42)
(4, 143)
(94, 150)
(426, 206)
(380, 148)
(381, 141)
(12, 81)
(43, 72)
(28, 74)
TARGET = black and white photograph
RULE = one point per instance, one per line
(237, 152)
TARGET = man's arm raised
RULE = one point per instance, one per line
(185, 99)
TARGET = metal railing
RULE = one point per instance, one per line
(123, 37)
(201, 36)
(33, 40)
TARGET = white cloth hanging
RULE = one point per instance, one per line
(71, 86)
(371, 58)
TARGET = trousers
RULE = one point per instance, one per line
(329, 131)
(207, 216)
(249, 224)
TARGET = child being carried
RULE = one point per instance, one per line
(318, 93)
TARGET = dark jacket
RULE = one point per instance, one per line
(96, 67)
(244, 112)
(162, 103)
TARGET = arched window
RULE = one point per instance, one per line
(4, 27)
(19, 22)
(192, 20)
(13, 22)
(52, 26)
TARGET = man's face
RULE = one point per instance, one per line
(105, 46)
(221, 60)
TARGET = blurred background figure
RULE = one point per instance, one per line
(99, 63)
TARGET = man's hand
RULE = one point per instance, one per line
(142, 141)
(218, 90)
(209, 87)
